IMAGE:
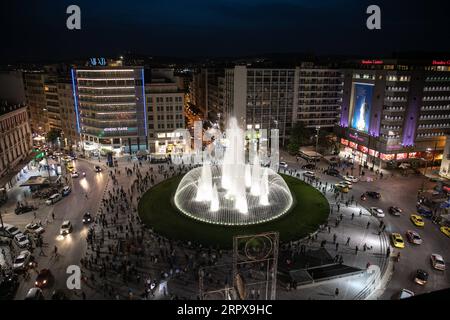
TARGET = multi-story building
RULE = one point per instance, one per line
(15, 141)
(394, 111)
(110, 107)
(12, 87)
(165, 105)
(34, 83)
(52, 105)
(260, 97)
(318, 95)
(206, 92)
(67, 114)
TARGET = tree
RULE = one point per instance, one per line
(53, 135)
(300, 136)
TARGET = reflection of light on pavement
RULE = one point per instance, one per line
(84, 232)
(67, 239)
(84, 184)
(59, 238)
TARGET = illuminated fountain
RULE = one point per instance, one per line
(233, 192)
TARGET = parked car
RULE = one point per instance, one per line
(395, 211)
(332, 172)
(53, 198)
(421, 277)
(413, 237)
(74, 174)
(9, 230)
(309, 166)
(43, 278)
(35, 294)
(417, 220)
(34, 228)
(397, 240)
(66, 228)
(87, 218)
(377, 212)
(351, 179)
(22, 240)
(98, 169)
(24, 209)
(423, 211)
(373, 194)
(22, 261)
(66, 191)
(437, 261)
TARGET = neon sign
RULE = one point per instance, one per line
(372, 62)
(97, 62)
(441, 63)
(115, 129)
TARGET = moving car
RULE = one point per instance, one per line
(351, 179)
(87, 218)
(22, 261)
(66, 228)
(75, 174)
(377, 212)
(405, 293)
(53, 198)
(283, 164)
(397, 240)
(421, 277)
(395, 211)
(309, 166)
(309, 174)
(413, 237)
(445, 230)
(35, 294)
(437, 261)
(347, 183)
(66, 191)
(71, 168)
(43, 278)
(332, 172)
(341, 187)
(373, 194)
(21, 240)
(34, 228)
(417, 220)
(98, 169)
(9, 230)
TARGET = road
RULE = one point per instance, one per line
(402, 192)
(72, 246)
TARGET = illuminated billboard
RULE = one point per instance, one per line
(362, 105)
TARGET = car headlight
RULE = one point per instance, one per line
(36, 283)
(44, 282)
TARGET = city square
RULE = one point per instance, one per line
(241, 177)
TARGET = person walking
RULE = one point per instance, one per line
(356, 250)
(348, 241)
(368, 225)
(55, 251)
(336, 292)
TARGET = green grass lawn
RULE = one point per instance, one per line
(156, 209)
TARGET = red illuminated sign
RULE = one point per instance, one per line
(344, 142)
(441, 63)
(372, 62)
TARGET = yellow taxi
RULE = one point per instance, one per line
(445, 230)
(417, 220)
(341, 187)
(397, 240)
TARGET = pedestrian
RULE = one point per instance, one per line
(334, 238)
(348, 241)
(55, 251)
(368, 225)
(353, 215)
(336, 292)
(83, 295)
(388, 252)
(360, 212)
(34, 213)
(53, 215)
(356, 250)
(337, 246)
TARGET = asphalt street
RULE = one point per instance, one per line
(401, 191)
(70, 248)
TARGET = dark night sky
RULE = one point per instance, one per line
(36, 30)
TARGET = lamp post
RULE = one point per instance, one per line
(426, 163)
